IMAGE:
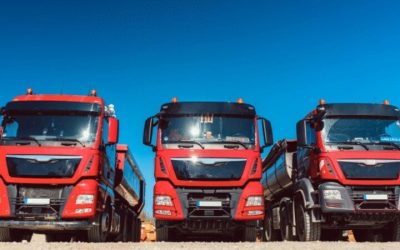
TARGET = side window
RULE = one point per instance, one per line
(310, 134)
(11, 129)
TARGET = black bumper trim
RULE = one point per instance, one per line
(46, 225)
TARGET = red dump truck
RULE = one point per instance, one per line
(207, 169)
(63, 174)
(341, 173)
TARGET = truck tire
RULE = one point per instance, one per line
(269, 233)
(332, 235)
(162, 231)
(14, 235)
(250, 232)
(305, 228)
(138, 232)
(393, 231)
(364, 235)
(99, 231)
(285, 227)
(58, 237)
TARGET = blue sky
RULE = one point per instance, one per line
(281, 56)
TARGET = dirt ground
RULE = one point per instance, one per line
(38, 243)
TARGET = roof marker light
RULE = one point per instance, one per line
(29, 91)
(174, 100)
(322, 102)
(240, 100)
(386, 102)
(93, 92)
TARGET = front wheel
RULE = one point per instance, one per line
(332, 235)
(58, 237)
(250, 231)
(365, 235)
(270, 234)
(10, 235)
(163, 232)
(306, 229)
(393, 231)
(100, 229)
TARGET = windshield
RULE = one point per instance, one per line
(362, 130)
(59, 128)
(208, 129)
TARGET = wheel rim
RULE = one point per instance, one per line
(104, 225)
(284, 225)
(268, 227)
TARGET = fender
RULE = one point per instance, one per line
(305, 190)
(106, 193)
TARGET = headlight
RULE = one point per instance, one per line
(254, 201)
(85, 199)
(332, 195)
(163, 200)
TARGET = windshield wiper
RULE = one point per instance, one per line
(189, 141)
(25, 138)
(395, 145)
(230, 142)
(66, 140)
(352, 143)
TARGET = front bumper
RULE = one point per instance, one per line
(46, 225)
(187, 203)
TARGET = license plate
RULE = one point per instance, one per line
(37, 201)
(209, 204)
(375, 197)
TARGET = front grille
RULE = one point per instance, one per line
(41, 166)
(370, 169)
(52, 201)
(208, 168)
(195, 210)
(357, 194)
(196, 202)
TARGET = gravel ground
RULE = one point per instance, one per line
(38, 243)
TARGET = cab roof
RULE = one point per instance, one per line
(216, 108)
(60, 98)
(355, 109)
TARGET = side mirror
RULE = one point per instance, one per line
(301, 128)
(267, 133)
(113, 130)
(148, 132)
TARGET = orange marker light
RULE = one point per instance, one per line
(93, 92)
(386, 102)
(240, 100)
(29, 91)
(321, 102)
(174, 100)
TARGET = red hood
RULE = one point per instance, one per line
(87, 154)
(250, 156)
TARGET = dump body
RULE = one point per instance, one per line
(59, 173)
(278, 169)
(207, 169)
(129, 181)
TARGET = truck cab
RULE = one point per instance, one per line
(344, 175)
(358, 163)
(59, 169)
(207, 169)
